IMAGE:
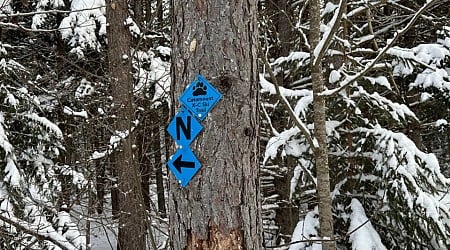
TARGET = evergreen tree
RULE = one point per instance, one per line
(385, 180)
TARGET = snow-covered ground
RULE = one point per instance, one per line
(103, 229)
(103, 234)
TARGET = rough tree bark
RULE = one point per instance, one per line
(131, 207)
(220, 207)
(321, 155)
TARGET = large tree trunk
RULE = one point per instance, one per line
(220, 207)
(321, 155)
(131, 207)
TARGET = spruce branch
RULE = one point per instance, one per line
(38, 236)
(298, 123)
(351, 79)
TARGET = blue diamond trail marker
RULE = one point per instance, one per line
(200, 97)
(184, 165)
(197, 100)
(184, 128)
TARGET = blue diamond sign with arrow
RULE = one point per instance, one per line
(184, 128)
(200, 97)
(184, 165)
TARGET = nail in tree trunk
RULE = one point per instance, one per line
(219, 208)
(321, 155)
(131, 207)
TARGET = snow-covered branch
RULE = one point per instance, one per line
(323, 44)
(369, 66)
(9, 15)
(298, 123)
(63, 244)
(20, 27)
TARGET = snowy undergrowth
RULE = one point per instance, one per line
(385, 184)
(31, 178)
(85, 26)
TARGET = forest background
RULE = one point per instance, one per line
(386, 67)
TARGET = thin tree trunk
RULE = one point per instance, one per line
(144, 141)
(100, 185)
(321, 155)
(138, 9)
(279, 13)
(220, 207)
(131, 207)
(159, 11)
(287, 213)
(90, 211)
(145, 172)
(157, 167)
(114, 187)
(165, 153)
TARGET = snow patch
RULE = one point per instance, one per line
(293, 56)
(13, 176)
(80, 27)
(277, 141)
(433, 78)
(5, 7)
(44, 121)
(306, 229)
(441, 122)
(69, 111)
(97, 155)
(380, 80)
(363, 234)
(4, 143)
(335, 76)
(84, 89)
(268, 87)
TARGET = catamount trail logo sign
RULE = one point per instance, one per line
(200, 97)
(197, 101)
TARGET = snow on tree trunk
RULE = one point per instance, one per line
(131, 206)
(219, 208)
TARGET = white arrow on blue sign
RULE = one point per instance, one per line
(184, 165)
(184, 127)
(200, 97)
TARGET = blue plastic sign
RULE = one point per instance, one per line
(184, 127)
(200, 97)
(184, 165)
